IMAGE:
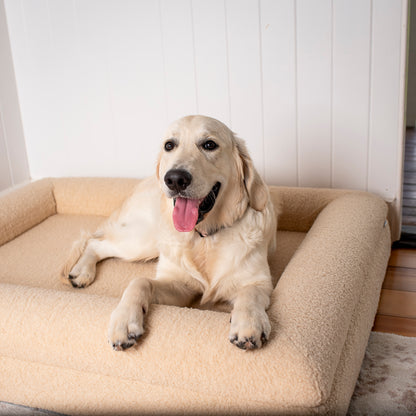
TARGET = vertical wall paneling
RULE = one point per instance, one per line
(244, 54)
(91, 43)
(136, 76)
(385, 106)
(278, 45)
(350, 92)
(314, 87)
(395, 215)
(314, 45)
(178, 49)
(73, 104)
(6, 179)
(40, 103)
(13, 157)
(210, 49)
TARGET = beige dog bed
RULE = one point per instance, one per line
(333, 248)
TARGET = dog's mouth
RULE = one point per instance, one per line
(187, 212)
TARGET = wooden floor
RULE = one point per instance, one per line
(397, 308)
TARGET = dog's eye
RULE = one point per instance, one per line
(209, 145)
(169, 145)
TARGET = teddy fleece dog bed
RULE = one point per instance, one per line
(332, 252)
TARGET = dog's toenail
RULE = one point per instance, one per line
(127, 345)
(77, 285)
(71, 277)
(134, 336)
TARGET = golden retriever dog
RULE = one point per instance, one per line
(208, 217)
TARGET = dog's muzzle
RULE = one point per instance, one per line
(188, 212)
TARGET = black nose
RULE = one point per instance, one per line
(177, 179)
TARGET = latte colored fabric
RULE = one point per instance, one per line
(24, 208)
(332, 253)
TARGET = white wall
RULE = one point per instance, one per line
(315, 87)
(14, 168)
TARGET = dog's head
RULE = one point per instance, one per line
(208, 174)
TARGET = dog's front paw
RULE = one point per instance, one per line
(82, 275)
(249, 329)
(126, 327)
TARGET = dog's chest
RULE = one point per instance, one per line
(210, 260)
(202, 258)
(204, 254)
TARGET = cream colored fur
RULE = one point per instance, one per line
(228, 264)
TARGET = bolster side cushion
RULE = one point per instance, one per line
(314, 300)
(25, 207)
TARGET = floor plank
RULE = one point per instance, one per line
(397, 303)
(409, 179)
(409, 219)
(400, 278)
(409, 211)
(403, 257)
(409, 202)
(395, 325)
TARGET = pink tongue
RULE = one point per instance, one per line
(185, 214)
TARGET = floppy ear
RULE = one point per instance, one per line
(256, 189)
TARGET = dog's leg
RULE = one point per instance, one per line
(126, 322)
(113, 240)
(129, 234)
(250, 326)
(92, 251)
